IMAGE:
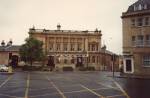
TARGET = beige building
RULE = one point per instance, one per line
(70, 48)
(9, 54)
(136, 38)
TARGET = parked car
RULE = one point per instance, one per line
(3, 68)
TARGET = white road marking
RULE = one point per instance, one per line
(6, 81)
(59, 91)
(28, 84)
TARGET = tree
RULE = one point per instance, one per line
(32, 50)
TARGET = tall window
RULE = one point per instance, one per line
(79, 47)
(93, 59)
(65, 47)
(147, 40)
(140, 22)
(93, 47)
(140, 40)
(146, 60)
(50, 46)
(133, 22)
(58, 47)
(72, 47)
(133, 40)
(146, 21)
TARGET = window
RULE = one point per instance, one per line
(93, 59)
(72, 60)
(51, 46)
(65, 61)
(72, 47)
(145, 6)
(146, 60)
(140, 40)
(79, 47)
(133, 40)
(65, 47)
(133, 22)
(140, 21)
(146, 21)
(58, 47)
(147, 40)
(140, 7)
(93, 47)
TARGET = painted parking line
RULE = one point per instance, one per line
(122, 89)
(92, 91)
(28, 84)
(6, 81)
(59, 91)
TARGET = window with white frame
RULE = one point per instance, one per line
(140, 40)
(146, 60)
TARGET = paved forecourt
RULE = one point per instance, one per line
(59, 85)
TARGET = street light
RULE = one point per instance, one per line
(87, 55)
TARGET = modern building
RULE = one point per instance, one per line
(136, 38)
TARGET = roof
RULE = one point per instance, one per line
(136, 4)
(10, 48)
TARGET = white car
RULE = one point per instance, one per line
(3, 68)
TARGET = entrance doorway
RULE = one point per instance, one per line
(51, 61)
(79, 62)
(14, 61)
(128, 65)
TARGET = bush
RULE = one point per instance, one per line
(82, 68)
(67, 68)
(31, 68)
(91, 68)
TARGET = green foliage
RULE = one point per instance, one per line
(31, 50)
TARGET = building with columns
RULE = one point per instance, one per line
(136, 38)
(70, 47)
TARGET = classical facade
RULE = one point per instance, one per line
(70, 48)
(136, 38)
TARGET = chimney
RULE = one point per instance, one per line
(58, 27)
(3, 43)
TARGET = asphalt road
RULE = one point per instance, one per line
(60, 85)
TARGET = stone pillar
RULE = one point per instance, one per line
(69, 43)
(76, 44)
(54, 44)
(61, 44)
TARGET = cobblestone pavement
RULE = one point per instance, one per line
(60, 85)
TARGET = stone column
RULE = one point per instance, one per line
(54, 44)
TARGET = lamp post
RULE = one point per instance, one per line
(87, 55)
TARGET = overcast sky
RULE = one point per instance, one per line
(17, 16)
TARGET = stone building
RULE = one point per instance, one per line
(136, 38)
(9, 53)
(69, 47)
